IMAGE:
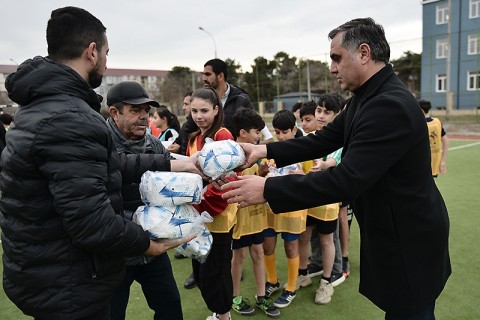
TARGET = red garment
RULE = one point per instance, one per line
(153, 129)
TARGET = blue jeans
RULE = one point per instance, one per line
(426, 314)
(158, 286)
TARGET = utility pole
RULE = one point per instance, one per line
(213, 39)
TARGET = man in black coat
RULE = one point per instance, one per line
(63, 234)
(129, 106)
(385, 172)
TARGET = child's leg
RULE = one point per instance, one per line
(328, 253)
(291, 251)
(237, 267)
(344, 230)
(269, 245)
(258, 260)
(304, 246)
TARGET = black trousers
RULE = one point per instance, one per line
(214, 276)
(158, 286)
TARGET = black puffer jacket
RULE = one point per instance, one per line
(236, 98)
(63, 234)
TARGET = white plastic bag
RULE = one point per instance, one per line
(199, 247)
(159, 188)
(219, 157)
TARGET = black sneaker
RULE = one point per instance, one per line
(266, 305)
(337, 278)
(314, 270)
(242, 306)
(271, 288)
(190, 282)
(284, 299)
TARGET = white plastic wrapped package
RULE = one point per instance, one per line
(219, 157)
(158, 188)
(199, 247)
(167, 222)
(273, 171)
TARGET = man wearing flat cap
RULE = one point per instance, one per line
(129, 106)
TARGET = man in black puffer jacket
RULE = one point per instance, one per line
(63, 235)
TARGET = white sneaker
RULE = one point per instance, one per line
(303, 281)
(324, 292)
(216, 317)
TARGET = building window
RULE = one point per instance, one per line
(442, 49)
(473, 44)
(442, 14)
(441, 83)
(474, 9)
(473, 81)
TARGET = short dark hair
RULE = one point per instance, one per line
(297, 106)
(284, 120)
(70, 30)
(330, 102)
(308, 108)
(246, 119)
(364, 30)
(218, 66)
(5, 118)
(425, 105)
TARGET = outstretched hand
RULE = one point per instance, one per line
(157, 247)
(245, 191)
(253, 152)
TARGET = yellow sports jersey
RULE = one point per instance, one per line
(435, 135)
(223, 222)
(327, 212)
(252, 219)
(292, 222)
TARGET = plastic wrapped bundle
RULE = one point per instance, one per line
(219, 157)
(170, 188)
(273, 171)
(199, 247)
(167, 222)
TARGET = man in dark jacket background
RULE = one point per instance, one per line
(129, 107)
(385, 172)
(63, 234)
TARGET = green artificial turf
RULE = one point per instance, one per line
(460, 299)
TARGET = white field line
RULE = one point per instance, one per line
(464, 146)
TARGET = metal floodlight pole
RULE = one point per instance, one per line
(213, 39)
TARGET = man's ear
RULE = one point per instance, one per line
(92, 53)
(113, 112)
(365, 52)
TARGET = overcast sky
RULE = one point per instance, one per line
(158, 34)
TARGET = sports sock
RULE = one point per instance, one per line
(293, 265)
(303, 272)
(270, 269)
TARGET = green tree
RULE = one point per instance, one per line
(176, 84)
(234, 76)
(260, 83)
(408, 68)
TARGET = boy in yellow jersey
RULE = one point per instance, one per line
(251, 221)
(290, 225)
(438, 140)
(324, 218)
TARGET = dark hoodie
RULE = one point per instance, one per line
(62, 233)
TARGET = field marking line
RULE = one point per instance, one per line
(464, 146)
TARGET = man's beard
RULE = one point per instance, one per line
(95, 77)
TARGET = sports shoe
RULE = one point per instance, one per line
(266, 305)
(190, 282)
(271, 288)
(324, 292)
(345, 267)
(314, 270)
(284, 299)
(337, 278)
(242, 306)
(302, 281)
(216, 317)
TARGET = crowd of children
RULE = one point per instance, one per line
(254, 229)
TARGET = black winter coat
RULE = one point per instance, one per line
(236, 98)
(63, 235)
(385, 171)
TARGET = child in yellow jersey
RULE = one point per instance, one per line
(251, 221)
(438, 140)
(213, 277)
(290, 225)
(324, 218)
